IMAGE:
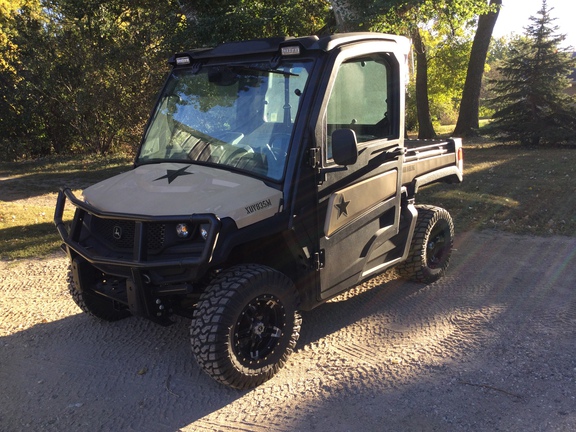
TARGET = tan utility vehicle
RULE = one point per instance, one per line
(272, 176)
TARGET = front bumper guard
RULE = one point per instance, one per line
(140, 254)
(139, 293)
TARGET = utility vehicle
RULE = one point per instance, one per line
(273, 175)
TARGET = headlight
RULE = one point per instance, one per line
(183, 230)
(204, 231)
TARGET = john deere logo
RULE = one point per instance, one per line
(117, 232)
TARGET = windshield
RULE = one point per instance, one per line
(236, 117)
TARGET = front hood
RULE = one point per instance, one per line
(169, 189)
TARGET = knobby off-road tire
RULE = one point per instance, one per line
(245, 325)
(93, 304)
(431, 247)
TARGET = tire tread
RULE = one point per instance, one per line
(415, 268)
(221, 301)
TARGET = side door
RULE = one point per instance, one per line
(359, 207)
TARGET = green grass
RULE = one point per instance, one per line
(27, 241)
(44, 176)
(512, 188)
(28, 196)
(506, 187)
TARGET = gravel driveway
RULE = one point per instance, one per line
(490, 347)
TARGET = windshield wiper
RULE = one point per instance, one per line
(258, 69)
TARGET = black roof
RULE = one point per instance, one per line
(273, 45)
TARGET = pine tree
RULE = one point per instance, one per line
(531, 105)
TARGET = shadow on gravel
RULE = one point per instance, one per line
(82, 374)
(490, 347)
(381, 300)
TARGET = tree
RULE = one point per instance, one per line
(16, 122)
(216, 21)
(82, 75)
(468, 117)
(531, 105)
(449, 56)
(446, 23)
(412, 18)
(425, 127)
(86, 73)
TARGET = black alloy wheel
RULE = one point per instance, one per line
(245, 325)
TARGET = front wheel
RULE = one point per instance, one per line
(245, 325)
(93, 304)
(431, 247)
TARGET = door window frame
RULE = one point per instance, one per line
(395, 99)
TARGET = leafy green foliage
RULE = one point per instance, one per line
(449, 54)
(216, 21)
(87, 73)
(530, 102)
(446, 30)
(81, 76)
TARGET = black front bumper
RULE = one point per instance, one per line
(150, 267)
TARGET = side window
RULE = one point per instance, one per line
(359, 99)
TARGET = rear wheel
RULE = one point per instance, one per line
(431, 247)
(245, 325)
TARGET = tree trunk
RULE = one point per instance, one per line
(425, 127)
(467, 124)
(345, 15)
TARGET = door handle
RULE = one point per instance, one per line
(395, 152)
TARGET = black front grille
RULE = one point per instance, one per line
(156, 235)
(119, 233)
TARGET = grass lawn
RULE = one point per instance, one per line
(512, 188)
(28, 193)
(506, 187)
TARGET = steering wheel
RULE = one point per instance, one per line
(237, 154)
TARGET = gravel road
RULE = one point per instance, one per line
(490, 347)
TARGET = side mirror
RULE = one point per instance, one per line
(344, 147)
